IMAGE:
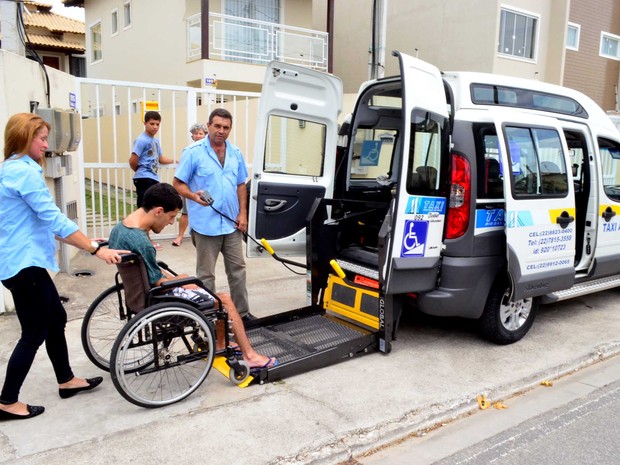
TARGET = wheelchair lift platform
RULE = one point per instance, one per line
(305, 339)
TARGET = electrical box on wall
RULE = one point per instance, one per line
(65, 133)
(58, 166)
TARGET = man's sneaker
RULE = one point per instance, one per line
(248, 316)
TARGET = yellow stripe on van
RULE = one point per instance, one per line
(602, 208)
(555, 212)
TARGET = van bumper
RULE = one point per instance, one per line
(464, 287)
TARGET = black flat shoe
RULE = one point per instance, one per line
(33, 411)
(70, 392)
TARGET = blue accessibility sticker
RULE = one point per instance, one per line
(414, 238)
(425, 205)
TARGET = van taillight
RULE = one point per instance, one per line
(460, 192)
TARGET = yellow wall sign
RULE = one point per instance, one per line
(149, 105)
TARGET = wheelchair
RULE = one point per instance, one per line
(158, 348)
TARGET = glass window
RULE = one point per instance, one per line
(610, 158)
(517, 34)
(424, 166)
(194, 38)
(114, 22)
(294, 146)
(537, 160)
(373, 152)
(95, 42)
(127, 14)
(610, 46)
(489, 94)
(490, 175)
(249, 41)
(572, 36)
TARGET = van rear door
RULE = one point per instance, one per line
(540, 204)
(296, 133)
(412, 235)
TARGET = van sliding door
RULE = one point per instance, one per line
(540, 204)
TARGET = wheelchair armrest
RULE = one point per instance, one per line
(164, 266)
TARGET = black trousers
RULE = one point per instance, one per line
(43, 319)
(142, 184)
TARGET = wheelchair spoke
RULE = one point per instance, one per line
(178, 343)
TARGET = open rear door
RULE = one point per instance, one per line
(540, 204)
(296, 133)
(413, 245)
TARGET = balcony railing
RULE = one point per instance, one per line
(244, 40)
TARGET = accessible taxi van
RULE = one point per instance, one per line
(471, 195)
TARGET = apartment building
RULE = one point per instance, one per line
(202, 43)
(574, 43)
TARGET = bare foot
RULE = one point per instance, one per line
(260, 361)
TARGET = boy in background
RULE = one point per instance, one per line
(146, 156)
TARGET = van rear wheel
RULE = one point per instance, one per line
(505, 322)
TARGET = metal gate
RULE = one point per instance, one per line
(112, 117)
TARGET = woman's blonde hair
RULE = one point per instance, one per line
(20, 131)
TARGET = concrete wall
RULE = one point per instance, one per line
(22, 81)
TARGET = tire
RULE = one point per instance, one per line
(169, 348)
(505, 322)
(244, 373)
(101, 325)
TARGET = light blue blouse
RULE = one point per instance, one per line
(29, 218)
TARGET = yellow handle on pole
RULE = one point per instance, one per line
(268, 248)
(337, 269)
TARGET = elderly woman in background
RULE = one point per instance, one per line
(198, 132)
(30, 222)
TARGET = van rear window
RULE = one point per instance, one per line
(488, 94)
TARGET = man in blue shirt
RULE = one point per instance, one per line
(216, 166)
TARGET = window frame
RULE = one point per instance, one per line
(93, 54)
(577, 28)
(114, 22)
(609, 36)
(534, 37)
(127, 18)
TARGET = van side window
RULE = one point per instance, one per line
(424, 166)
(294, 146)
(490, 175)
(610, 158)
(537, 159)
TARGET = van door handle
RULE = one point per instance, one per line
(272, 205)
(564, 219)
(608, 214)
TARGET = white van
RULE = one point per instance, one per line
(471, 195)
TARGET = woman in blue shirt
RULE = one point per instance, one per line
(30, 222)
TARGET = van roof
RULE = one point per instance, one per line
(476, 90)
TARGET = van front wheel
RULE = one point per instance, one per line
(505, 322)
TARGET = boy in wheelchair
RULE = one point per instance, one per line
(160, 207)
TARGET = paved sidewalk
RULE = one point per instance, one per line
(434, 373)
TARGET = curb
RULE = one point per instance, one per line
(365, 441)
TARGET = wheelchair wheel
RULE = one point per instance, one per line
(101, 325)
(179, 343)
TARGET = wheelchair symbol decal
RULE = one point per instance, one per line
(414, 239)
(370, 153)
